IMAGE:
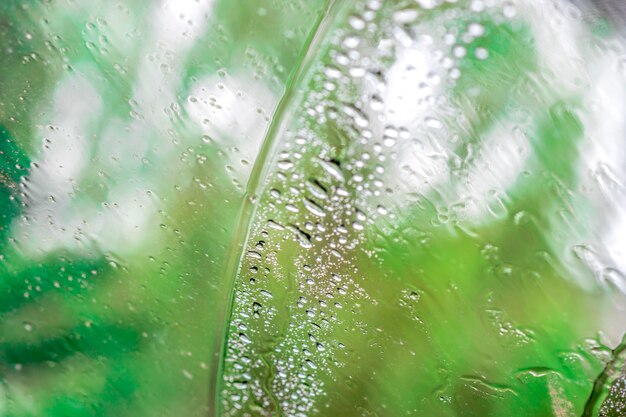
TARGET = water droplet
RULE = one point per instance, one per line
(314, 208)
(254, 255)
(481, 53)
(476, 29)
(333, 169)
(274, 225)
(266, 294)
(509, 10)
(356, 22)
(614, 278)
(433, 123)
(285, 164)
(303, 238)
(317, 189)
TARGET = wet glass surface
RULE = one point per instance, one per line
(312, 208)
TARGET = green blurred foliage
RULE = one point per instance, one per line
(459, 321)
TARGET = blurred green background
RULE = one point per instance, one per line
(347, 208)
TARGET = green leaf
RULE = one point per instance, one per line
(438, 302)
